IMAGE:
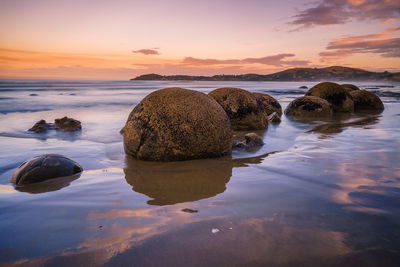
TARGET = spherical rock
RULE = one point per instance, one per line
(45, 167)
(177, 124)
(242, 107)
(365, 100)
(252, 139)
(349, 87)
(270, 104)
(335, 94)
(309, 106)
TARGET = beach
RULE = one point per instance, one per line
(318, 193)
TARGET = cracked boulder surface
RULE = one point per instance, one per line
(242, 107)
(309, 106)
(270, 104)
(45, 167)
(335, 94)
(174, 124)
(365, 100)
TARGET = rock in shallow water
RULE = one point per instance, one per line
(242, 107)
(270, 104)
(350, 87)
(365, 100)
(63, 124)
(177, 124)
(309, 106)
(45, 167)
(335, 94)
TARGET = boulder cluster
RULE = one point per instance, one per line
(62, 124)
(180, 124)
(327, 98)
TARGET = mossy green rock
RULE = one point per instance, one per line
(350, 87)
(242, 107)
(45, 167)
(309, 106)
(270, 104)
(177, 124)
(335, 94)
(365, 100)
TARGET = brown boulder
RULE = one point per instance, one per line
(177, 124)
(365, 100)
(309, 106)
(67, 124)
(349, 87)
(335, 94)
(242, 107)
(270, 104)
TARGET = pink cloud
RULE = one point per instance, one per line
(147, 51)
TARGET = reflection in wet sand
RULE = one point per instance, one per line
(176, 182)
(336, 127)
(49, 185)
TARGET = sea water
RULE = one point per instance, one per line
(318, 193)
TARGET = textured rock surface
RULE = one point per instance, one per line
(242, 107)
(364, 100)
(270, 104)
(40, 126)
(45, 167)
(274, 118)
(67, 124)
(335, 94)
(349, 87)
(309, 106)
(177, 124)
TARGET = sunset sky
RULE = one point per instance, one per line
(120, 39)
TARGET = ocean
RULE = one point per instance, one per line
(318, 193)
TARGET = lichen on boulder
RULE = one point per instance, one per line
(44, 167)
(242, 107)
(335, 94)
(309, 106)
(365, 100)
(270, 104)
(177, 124)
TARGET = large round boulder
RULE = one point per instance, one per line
(242, 107)
(335, 94)
(177, 124)
(349, 87)
(309, 106)
(270, 104)
(45, 167)
(365, 100)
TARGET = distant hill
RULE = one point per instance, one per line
(296, 74)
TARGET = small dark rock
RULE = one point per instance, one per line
(67, 124)
(33, 94)
(40, 126)
(274, 118)
(190, 210)
(303, 87)
(44, 167)
(253, 140)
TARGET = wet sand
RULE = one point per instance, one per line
(318, 193)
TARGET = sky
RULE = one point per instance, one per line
(121, 39)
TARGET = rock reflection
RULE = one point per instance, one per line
(176, 182)
(335, 127)
(49, 185)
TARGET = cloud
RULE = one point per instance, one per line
(275, 60)
(379, 43)
(330, 12)
(147, 52)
